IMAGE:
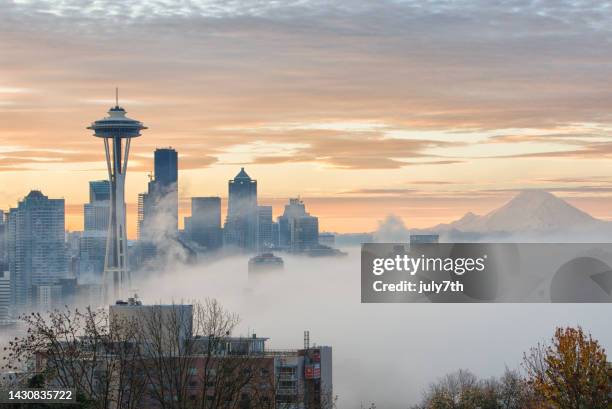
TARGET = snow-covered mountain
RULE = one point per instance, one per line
(530, 211)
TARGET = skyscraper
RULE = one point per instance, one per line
(114, 129)
(5, 295)
(205, 222)
(158, 207)
(298, 230)
(36, 246)
(143, 201)
(265, 238)
(99, 191)
(3, 229)
(92, 245)
(241, 222)
(97, 211)
(166, 167)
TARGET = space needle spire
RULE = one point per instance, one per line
(114, 130)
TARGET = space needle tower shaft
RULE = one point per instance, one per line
(114, 130)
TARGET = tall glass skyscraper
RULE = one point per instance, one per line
(97, 211)
(204, 226)
(5, 295)
(99, 191)
(2, 242)
(265, 238)
(36, 246)
(158, 207)
(241, 222)
(92, 244)
(166, 167)
(298, 230)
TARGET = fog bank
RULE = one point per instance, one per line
(383, 353)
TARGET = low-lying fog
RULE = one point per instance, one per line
(383, 353)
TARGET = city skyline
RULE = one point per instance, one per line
(424, 186)
(76, 216)
(386, 114)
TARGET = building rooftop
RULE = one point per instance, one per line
(117, 124)
(35, 194)
(242, 175)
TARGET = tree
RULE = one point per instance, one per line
(460, 390)
(78, 350)
(176, 356)
(571, 372)
(189, 360)
(514, 392)
(463, 390)
(124, 362)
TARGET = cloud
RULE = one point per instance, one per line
(217, 79)
(561, 138)
(33, 159)
(589, 179)
(382, 191)
(392, 230)
(431, 182)
(484, 66)
(561, 189)
(356, 150)
(597, 150)
(193, 161)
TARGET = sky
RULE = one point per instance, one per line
(422, 109)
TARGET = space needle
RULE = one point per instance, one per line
(114, 129)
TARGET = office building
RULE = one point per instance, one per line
(241, 223)
(298, 230)
(99, 191)
(5, 295)
(3, 229)
(166, 168)
(73, 248)
(158, 235)
(327, 239)
(97, 211)
(204, 225)
(234, 371)
(51, 296)
(92, 252)
(158, 207)
(89, 294)
(47, 297)
(305, 378)
(36, 246)
(265, 262)
(275, 234)
(92, 245)
(294, 378)
(167, 322)
(144, 209)
(265, 238)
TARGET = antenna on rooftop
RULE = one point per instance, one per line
(306, 339)
(117, 96)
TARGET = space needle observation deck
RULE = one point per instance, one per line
(114, 130)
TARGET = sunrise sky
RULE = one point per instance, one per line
(425, 110)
